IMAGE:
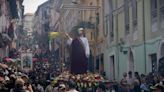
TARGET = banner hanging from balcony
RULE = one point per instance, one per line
(53, 35)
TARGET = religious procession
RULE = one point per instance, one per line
(81, 46)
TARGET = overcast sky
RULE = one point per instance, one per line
(31, 5)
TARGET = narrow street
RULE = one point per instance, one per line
(81, 46)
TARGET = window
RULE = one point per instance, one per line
(0, 8)
(161, 3)
(162, 13)
(154, 15)
(91, 3)
(111, 28)
(106, 24)
(154, 8)
(134, 12)
(97, 64)
(102, 63)
(91, 35)
(126, 6)
(46, 26)
(98, 2)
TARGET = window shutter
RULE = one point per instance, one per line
(134, 12)
(126, 7)
(0, 8)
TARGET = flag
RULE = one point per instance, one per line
(53, 34)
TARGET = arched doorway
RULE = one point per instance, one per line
(131, 61)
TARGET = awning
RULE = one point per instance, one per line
(7, 60)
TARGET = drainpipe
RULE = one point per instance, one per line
(117, 44)
(144, 35)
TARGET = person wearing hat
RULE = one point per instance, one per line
(79, 52)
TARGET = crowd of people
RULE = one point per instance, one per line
(142, 83)
(41, 80)
(13, 80)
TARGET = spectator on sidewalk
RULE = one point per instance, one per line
(137, 82)
(130, 81)
(123, 83)
(144, 86)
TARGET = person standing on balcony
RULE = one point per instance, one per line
(79, 52)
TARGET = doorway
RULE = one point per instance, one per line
(161, 59)
(112, 67)
(153, 62)
(131, 61)
(102, 63)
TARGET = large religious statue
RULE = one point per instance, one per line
(79, 52)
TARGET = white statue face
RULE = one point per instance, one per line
(80, 31)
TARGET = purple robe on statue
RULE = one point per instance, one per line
(78, 57)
